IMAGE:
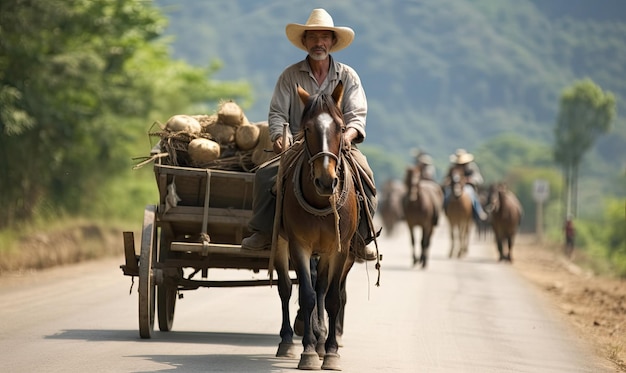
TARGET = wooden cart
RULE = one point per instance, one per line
(203, 230)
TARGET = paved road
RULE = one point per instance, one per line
(470, 315)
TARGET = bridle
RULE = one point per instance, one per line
(324, 153)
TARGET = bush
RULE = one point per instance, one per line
(604, 239)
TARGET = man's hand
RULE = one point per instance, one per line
(348, 137)
(278, 145)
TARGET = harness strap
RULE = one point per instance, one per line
(297, 190)
(359, 171)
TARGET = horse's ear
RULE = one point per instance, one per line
(338, 94)
(304, 95)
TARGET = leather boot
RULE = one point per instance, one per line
(363, 252)
(258, 241)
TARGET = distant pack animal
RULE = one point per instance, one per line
(506, 212)
(422, 206)
(391, 209)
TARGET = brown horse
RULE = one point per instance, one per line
(506, 215)
(391, 208)
(319, 214)
(458, 208)
(422, 204)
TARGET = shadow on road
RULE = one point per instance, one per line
(195, 362)
(233, 339)
(211, 363)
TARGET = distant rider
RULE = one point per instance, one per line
(473, 179)
(424, 163)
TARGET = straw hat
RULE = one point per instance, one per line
(461, 156)
(319, 20)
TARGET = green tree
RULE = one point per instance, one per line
(585, 113)
(78, 81)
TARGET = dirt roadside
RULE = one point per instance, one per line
(595, 306)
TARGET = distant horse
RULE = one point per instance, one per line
(482, 227)
(458, 208)
(319, 214)
(506, 215)
(422, 204)
(391, 209)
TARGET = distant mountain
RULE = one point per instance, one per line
(439, 74)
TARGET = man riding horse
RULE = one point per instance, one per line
(473, 178)
(319, 72)
(424, 163)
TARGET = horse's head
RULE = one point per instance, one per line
(457, 180)
(323, 128)
(494, 197)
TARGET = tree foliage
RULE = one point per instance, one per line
(585, 113)
(78, 81)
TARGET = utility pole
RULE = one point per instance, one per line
(541, 191)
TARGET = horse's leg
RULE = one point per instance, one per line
(427, 231)
(344, 299)
(281, 263)
(464, 238)
(319, 317)
(500, 245)
(333, 305)
(412, 244)
(509, 256)
(306, 296)
(452, 228)
(340, 315)
(461, 248)
(298, 324)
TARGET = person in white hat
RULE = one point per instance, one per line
(473, 179)
(319, 72)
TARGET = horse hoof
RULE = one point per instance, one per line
(331, 362)
(286, 350)
(309, 361)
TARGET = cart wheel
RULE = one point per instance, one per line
(166, 293)
(146, 279)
